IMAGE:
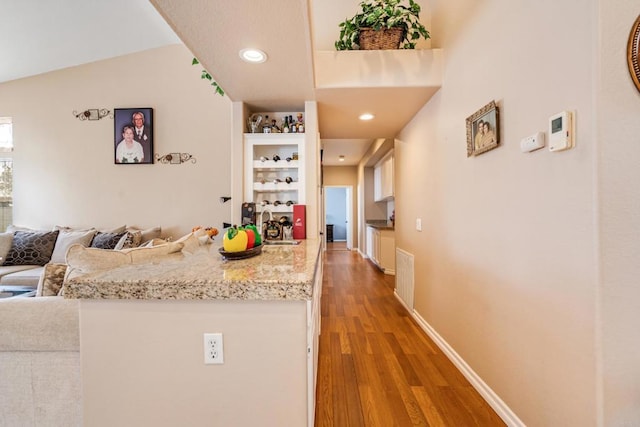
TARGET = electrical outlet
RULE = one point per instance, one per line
(213, 349)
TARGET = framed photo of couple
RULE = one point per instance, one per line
(482, 130)
(133, 136)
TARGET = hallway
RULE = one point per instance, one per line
(376, 366)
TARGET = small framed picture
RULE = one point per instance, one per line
(482, 130)
(133, 136)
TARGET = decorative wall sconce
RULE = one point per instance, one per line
(175, 158)
(93, 114)
(224, 199)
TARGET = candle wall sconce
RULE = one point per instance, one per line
(93, 114)
(175, 158)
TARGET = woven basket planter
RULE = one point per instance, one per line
(385, 38)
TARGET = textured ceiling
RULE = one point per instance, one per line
(38, 36)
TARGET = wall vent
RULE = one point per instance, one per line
(404, 278)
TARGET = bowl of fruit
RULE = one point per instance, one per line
(241, 242)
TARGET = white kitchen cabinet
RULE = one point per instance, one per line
(381, 248)
(383, 188)
(387, 251)
(313, 341)
(274, 184)
(369, 242)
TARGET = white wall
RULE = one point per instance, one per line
(506, 267)
(64, 173)
(619, 215)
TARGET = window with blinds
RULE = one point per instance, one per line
(6, 172)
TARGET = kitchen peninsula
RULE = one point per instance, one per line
(142, 346)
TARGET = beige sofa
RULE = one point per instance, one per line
(39, 362)
(26, 274)
(40, 381)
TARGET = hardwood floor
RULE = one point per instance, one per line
(376, 366)
(337, 246)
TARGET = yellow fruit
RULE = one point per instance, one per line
(235, 240)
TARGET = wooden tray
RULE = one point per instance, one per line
(257, 250)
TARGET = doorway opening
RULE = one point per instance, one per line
(338, 202)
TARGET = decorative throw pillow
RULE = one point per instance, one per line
(131, 239)
(106, 240)
(68, 238)
(116, 230)
(31, 248)
(148, 234)
(50, 283)
(6, 239)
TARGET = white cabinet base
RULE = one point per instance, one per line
(381, 249)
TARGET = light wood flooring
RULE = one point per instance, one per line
(337, 246)
(376, 366)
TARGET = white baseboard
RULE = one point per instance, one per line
(498, 405)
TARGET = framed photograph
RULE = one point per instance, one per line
(482, 130)
(133, 136)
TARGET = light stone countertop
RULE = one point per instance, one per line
(278, 273)
(380, 224)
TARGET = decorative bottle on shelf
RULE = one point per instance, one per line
(274, 126)
(267, 125)
(300, 123)
(292, 125)
(285, 124)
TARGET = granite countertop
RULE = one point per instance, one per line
(380, 224)
(278, 273)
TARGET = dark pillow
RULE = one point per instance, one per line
(106, 240)
(31, 247)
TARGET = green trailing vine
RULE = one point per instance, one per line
(206, 76)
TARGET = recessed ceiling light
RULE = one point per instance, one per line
(341, 158)
(253, 55)
(366, 116)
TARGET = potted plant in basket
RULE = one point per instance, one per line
(382, 24)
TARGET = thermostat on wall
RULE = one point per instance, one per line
(561, 131)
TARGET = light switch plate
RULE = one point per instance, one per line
(532, 143)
